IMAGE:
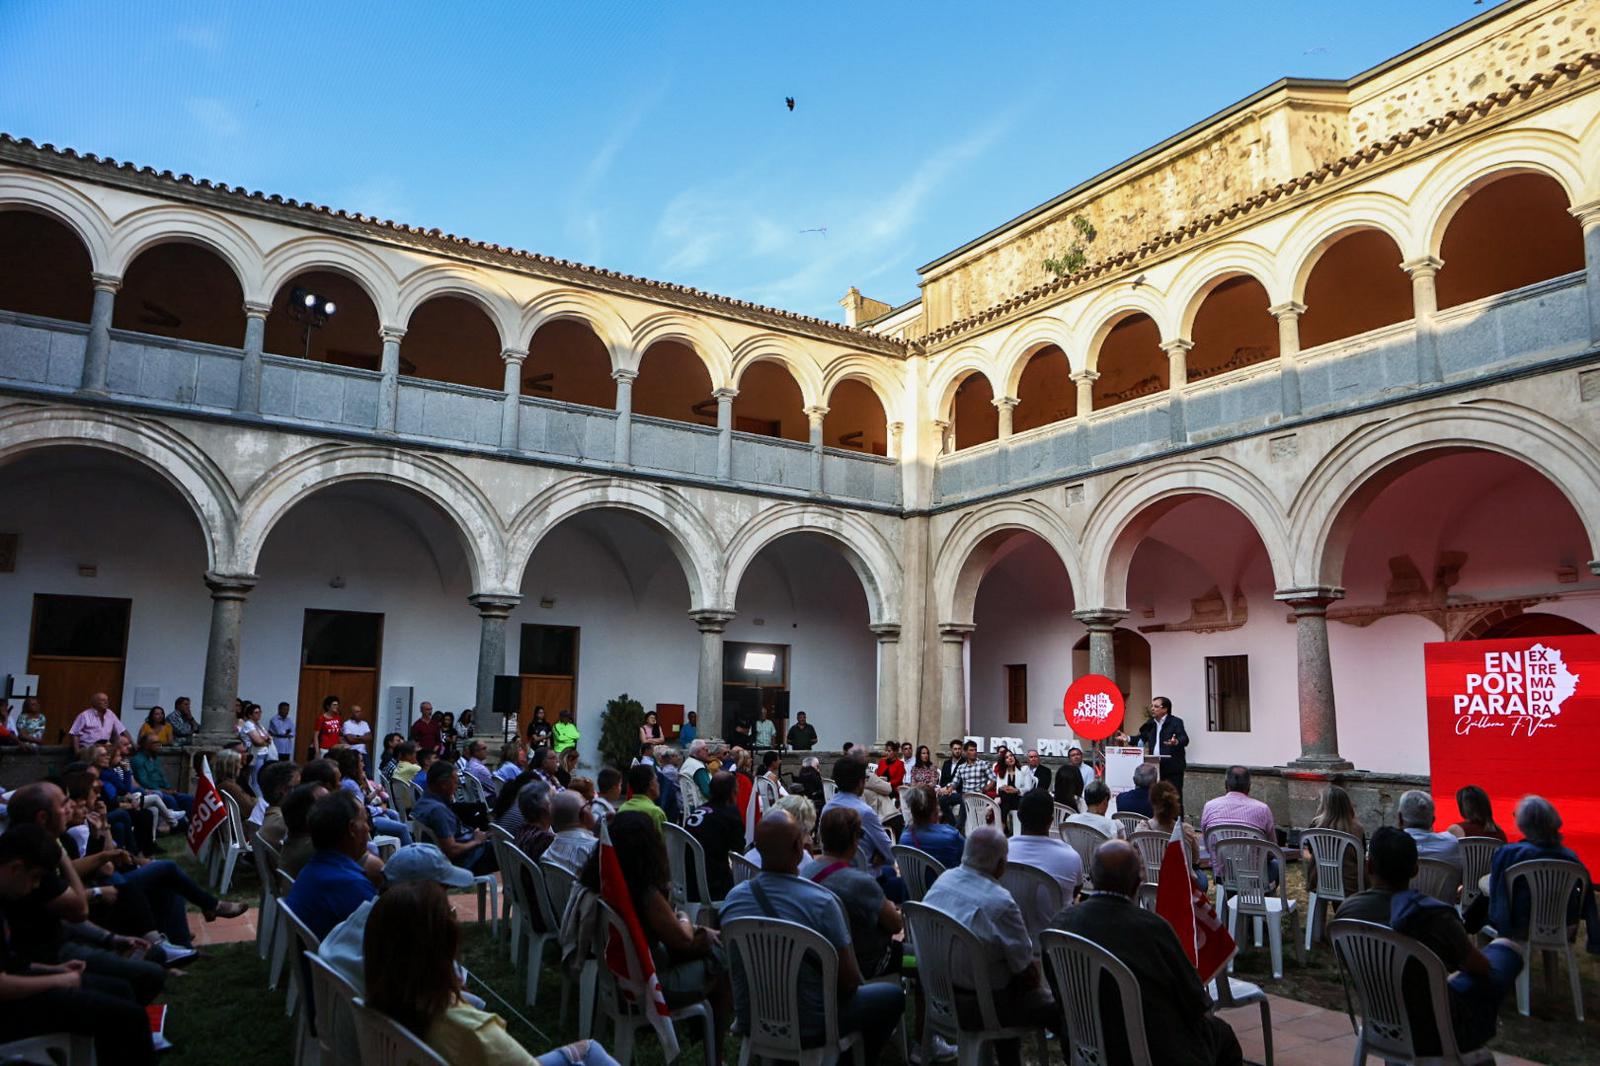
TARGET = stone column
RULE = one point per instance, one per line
(511, 405)
(1288, 316)
(1006, 406)
(942, 427)
(1424, 307)
(97, 351)
(1101, 623)
(724, 442)
(888, 680)
(1177, 377)
(622, 452)
(815, 415)
(1588, 216)
(1319, 733)
(255, 335)
(894, 442)
(389, 384)
(221, 684)
(1085, 380)
(708, 700)
(953, 679)
(493, 610)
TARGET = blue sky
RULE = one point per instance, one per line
(653, 138)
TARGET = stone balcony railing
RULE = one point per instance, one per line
(45, 356)
(1506, 333)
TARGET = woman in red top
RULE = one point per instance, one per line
(891, 768)
(329, 724)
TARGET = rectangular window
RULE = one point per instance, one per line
(341, 638)
(548, 650)
(1017, 694)
(80, 627)
(1228, 693)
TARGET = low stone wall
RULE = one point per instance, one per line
(18, 767)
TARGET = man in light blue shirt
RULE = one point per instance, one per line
(850, 777)
(1416, 818)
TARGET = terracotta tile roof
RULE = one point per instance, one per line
(447, 242)
(1361, 157)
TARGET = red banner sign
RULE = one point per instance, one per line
(1514, 717)
(207, 812)
(1093, 707)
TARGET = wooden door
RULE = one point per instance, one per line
(553, 692)
(77, 646)
(351, 684)
(339, 656)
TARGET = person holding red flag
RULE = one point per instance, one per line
(1178, 1029)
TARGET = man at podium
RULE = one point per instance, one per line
(1165, 736)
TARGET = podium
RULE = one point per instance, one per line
(1122, 762)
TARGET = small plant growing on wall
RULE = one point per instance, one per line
(619, 731)
(1076, 257)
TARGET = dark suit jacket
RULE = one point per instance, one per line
(947, 772)
(1041, 777)
(1174, 1003)
(1135, 801)
(1177, 758)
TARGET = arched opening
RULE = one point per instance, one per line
(1529, 624)
(115, 607)
(855, 420)
(1131, 363)
(348, 337)
(1020, 649)
(1424, 549)
(181, 290)
(1232, 329)
(453, 339)
(1045, 391)
(1356, 285)
(604, 612)
(1511, 232)
(800, 601)
(567, 361)
(382, 604)
(973, 414)
(44, 268)
(1199, 587)
(674, 383)
(770, 403)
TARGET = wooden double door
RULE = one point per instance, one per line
(77, 646)
(340, 653)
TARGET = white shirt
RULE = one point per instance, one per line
(571, 848)
(1105, 823)
(1023, 781)
(1086, 772)
(976, 901)
(360, 730)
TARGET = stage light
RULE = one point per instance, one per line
(760, 662)
(329, 308)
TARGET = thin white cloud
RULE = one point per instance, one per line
(585, 219)
(203, 38)
(213, 114)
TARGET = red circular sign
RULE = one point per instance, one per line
(1093, 707)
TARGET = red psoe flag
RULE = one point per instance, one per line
(1179, 900)
(752, 809)
(643, 986)
(207, 812)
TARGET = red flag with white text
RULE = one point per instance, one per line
(208, 811)
(1179, 900)
(642, 986)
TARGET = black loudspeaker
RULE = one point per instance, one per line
(780, 704)
(508, 695)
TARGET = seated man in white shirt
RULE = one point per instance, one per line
(972, 895)
(573, 823)
(1416, 818)
(1097, 797)
(1034, 846)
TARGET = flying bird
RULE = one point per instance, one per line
(789, 102)
(817, 229)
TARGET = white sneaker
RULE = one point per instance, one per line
(942, 1050)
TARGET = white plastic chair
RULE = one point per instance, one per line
(233, 846)
(1083, 839)
(302, 944)
(768, 792)
(524, 884)
(621, 997)
(1439, 879)
(917, 868)
(1222, 873)
(1551, 885)
(828, 790)
(266, 858)
(283, 948)
(403, 796)
(1152, 847)
(1232, 992)
(559, 884)
(1078, 964)
(63, 1049)
(1037, 894)
(1477, 856)
(333, 1000)
(384, 1042)
(682, 851)
(1375, 958)
(1329, 851)
(772, 955)
(489, 883)
(1250, 860)
(1129, 820)
(1061, 813)
(743, 868)
(945, 948)
(980, 810)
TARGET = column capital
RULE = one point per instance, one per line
(1287, 309)
(1100, 618)
(941, 424)
(514, 356)
(816, 412)
(724, 394)
(1006, 403)
(711, 621)
(391, 333)
(256, 309)
(1086, 375)
(494, 604)
(1423, 266)
(888, 632)
(1177, 346)
(1594, 567)
(622, 374)
(955, 632)
(229, 586)
(1587, 214)
(895, 428)
(106, 282)
(1310, 599)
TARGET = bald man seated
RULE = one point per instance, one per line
(1178, 1030)
(778, 891)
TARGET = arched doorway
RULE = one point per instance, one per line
(184, 291)
(855, 420)
(1232, 329)
(348, 337)
(975, 417)
(770, 403)
(568, 362)
(1130, 362)
(1511, 231)
(674, 383)
(1019, 653)
(453, 339)
(1356, 286)
(1045, 392)
(44, 268)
